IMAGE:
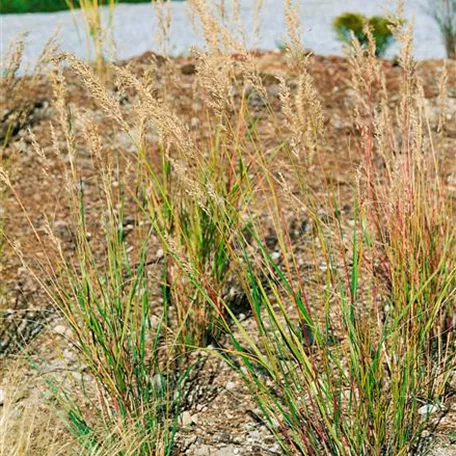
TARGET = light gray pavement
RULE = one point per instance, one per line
(135, 27)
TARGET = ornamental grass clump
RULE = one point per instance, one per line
(122, 344)
(352, 328)
(192, 191)
(193, 196)
(344, 356)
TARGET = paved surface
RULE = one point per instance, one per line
(135, 27)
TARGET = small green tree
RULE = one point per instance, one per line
(348, 23)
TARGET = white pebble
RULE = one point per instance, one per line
(275, 255)
(185, 418)
(428, 409)
(230, 385)
(60, 330)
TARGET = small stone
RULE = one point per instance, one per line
(69, 355)
(190, 441)
(275, 424)
(60, 330)
(225, 437)
(2, 396)
(185, 418)
(194, 123)
(269, 79)
(78, 376)
(254, 435)
(230, 386)
(337, 122)
(21, 146)
(195, 419)
(154, 321)
(158, 382)
(428, 409)
(271, 241)
(257, 412)
(203, 450)
(188, 69)
(229, 450)
(275, 256)
(274, 449)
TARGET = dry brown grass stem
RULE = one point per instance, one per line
(96, 88)
(163, 14)
(297, 55)
(303, 116)
(258, 6)
(12, 62)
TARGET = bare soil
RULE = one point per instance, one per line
(220, 418)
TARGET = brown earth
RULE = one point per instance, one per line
(221, 419)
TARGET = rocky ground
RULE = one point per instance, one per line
(220, 419)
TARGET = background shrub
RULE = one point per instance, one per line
(348, 23)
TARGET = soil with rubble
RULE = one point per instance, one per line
(220, 419)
